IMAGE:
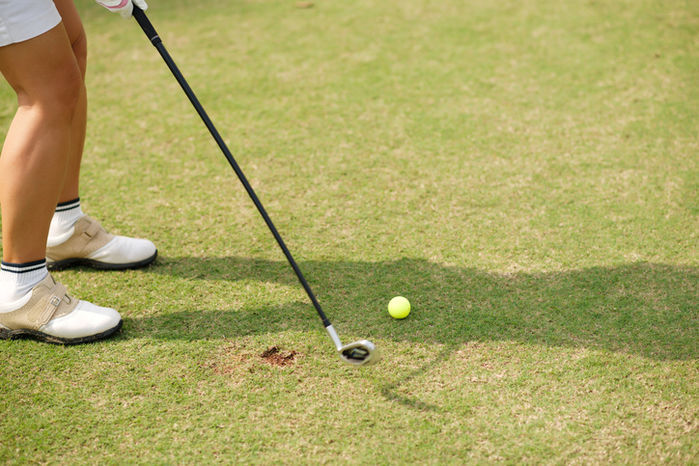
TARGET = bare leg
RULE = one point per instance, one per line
(46, 76)
(120, 252)
(78, 42)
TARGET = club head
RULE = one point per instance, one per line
(359, 353)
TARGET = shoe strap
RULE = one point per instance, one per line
(89, 236)
(93, 237)
(49, 301)
(93, 228)
(58, 303)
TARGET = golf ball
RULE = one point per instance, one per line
(399, 307)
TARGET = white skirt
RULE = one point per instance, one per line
(22, 20)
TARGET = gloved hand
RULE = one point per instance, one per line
(123, 7)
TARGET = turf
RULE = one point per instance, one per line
(525, 172)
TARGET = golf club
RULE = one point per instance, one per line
(358, 353)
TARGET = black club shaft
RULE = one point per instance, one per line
(152, 35)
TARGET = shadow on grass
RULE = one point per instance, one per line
(390, 390)
(641, 308)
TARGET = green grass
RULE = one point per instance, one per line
(525, 172)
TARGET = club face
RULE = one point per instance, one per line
(359, 353)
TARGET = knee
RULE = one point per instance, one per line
(57, 96)
(65, 90)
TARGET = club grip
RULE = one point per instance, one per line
(145, 24)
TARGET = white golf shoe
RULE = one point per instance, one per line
(49, 314)
(89, 244)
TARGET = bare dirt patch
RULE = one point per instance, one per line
(276, 357)
(236, 359)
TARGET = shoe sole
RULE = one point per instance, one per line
(76, 262)
(7, 334)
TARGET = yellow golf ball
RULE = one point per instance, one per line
(399, 307)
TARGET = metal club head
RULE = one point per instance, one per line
(359, 353)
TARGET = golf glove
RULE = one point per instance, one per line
(123, 7)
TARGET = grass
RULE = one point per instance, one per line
(524, 172)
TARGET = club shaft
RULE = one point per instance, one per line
(152, 35)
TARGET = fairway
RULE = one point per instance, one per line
(524, 172)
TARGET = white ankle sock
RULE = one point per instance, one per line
(17, 281)
(65, 216)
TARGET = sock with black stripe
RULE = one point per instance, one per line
(17, 280)
(65, 216)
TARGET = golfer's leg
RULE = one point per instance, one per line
(46, 77)
(76, 36)
(68, 225)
